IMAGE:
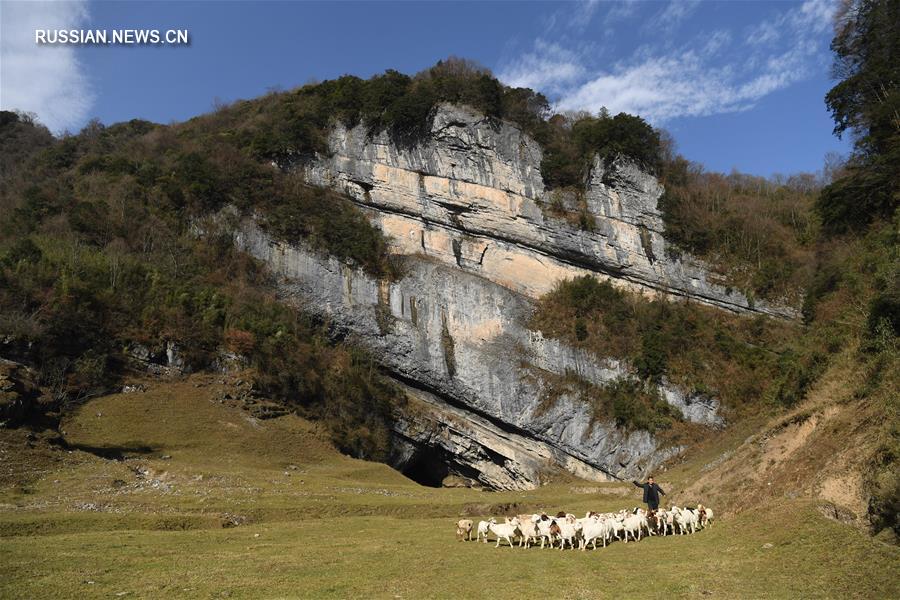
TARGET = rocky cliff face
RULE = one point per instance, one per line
(479, 376)
(471, 195)
(468, 210)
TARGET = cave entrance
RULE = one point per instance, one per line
(428, 467)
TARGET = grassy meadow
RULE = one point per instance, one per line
(176, 492)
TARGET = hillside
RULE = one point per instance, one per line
(452, 280)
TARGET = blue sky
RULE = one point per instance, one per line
(738, 84)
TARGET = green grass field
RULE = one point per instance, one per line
(207, 502)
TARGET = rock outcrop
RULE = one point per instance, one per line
(480, 375)
(481, 238)
(19, 393)
(471, 195)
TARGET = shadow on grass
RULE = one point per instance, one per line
(119, 453)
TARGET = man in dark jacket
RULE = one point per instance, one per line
(651, 493)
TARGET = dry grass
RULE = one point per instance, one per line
(313, 523)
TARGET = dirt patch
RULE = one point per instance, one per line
(819, 451)
(783, 445)
(491, 509)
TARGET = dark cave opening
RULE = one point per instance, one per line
(428, 467)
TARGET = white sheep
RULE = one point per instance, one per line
(685, 519)
(617, 527)
(545, 529)
(569, 530)
(596, 528)
(661, 518)
(504, 531)
(527, 530)
(634, 524)
(706, 515)
(670, 520)
(482, 532)
(464, 529)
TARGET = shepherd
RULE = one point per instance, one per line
(651, 493)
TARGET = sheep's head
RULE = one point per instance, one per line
(492, 521)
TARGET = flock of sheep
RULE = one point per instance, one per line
(567, 530)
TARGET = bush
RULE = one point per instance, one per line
(695, 347)
(327, 221)
(633, 408)
(756, 232)
(24, 250)
(571, 144)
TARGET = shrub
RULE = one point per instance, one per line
(756, 232)
(695, 347)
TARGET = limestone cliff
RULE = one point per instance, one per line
(467, 209)
(459, 343)
(471, 195)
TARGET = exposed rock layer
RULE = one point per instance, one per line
(461, 338)
(482, 238)
(471, 195)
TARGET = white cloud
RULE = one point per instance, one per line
(700, 78)
(619, 10)
(44, 79)
(548, 67)
(673, 14)
(584, 12)
(813, 16)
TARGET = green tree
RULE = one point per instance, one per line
(866, 102)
